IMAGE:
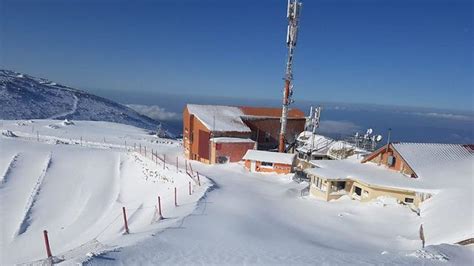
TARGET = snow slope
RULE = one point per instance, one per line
(26, 97)
(75, 189)
(260, 219)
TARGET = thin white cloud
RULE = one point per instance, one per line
(446, 116)
(155, 112)
(337, 127)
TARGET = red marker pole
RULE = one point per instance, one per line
(125, 220)
(175, 197)
(159, 208)
(190, 188)
(46, 243)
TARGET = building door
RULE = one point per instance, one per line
(253, 166)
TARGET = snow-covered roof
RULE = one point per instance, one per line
(366, 173)
(424, 158)
(231, 140)
(219, 118)
(270, 157)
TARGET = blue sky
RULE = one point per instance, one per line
(397, 52)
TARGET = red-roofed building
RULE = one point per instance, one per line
(217, 134)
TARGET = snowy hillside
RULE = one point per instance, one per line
(26, 97)
(74, 179)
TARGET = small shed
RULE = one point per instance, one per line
(266, 161)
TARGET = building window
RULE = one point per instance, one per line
(318, 182)
(358, 191)
(267, 137)
(338, 185)
(191, 137)
(409, 200)
(267, 164)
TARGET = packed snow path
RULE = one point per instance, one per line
(261, 219)
(70, 112)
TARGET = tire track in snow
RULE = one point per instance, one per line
(10, 166)
(25, 222)
(72, 111)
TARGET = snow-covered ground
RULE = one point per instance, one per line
(262, 219)
(76, 188)
(76, 192)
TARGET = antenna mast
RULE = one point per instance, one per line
(293, 13)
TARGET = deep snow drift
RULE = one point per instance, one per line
(25, 97)
(73, 179)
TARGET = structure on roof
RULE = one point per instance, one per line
(218, 134)
(407, 172)
(266, 161)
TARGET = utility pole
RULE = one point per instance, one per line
(293, 13)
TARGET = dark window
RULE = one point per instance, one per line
(408, 200)
(267, 164)
(267, 137)
(358, 191)
(340, 185)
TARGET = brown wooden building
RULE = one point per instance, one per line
(217, 134)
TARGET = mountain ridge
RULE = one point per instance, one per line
(24, 96)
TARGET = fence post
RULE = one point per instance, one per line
(46, 243)
(37, 136)
(159, 208)
(199, 180)
(190, 192)
(191, 167)
(140, 148)
(186, 165)
(164, 161)
(175, 197)
(177, 170)
(125, 220)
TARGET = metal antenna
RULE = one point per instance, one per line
(293, 14)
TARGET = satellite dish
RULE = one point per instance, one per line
(369, 131)
(378, 138)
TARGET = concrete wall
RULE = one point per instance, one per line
(400, 164)
(369, 192)
(376, 191)
(192, 143)
(277, 168)
(234, 151)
